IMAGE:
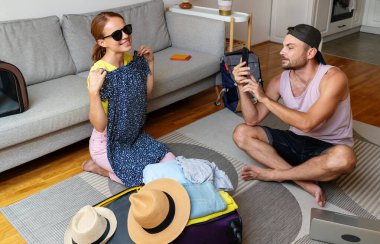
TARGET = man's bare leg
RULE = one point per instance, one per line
(250, 172)
(336, 161)
(254, 141)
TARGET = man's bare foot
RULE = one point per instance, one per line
(91, 166)
(315, 190)
(252, 172)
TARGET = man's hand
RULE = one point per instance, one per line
(96, 79)
(240, 73)
(252, 86)
(246, 82)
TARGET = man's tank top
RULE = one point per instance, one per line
(338, 128)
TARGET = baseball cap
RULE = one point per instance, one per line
(309, 35)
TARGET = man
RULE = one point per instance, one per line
(316, 105)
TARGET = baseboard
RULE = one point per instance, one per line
(370, 29)
(341, 34)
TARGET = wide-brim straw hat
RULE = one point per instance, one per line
(91, 224)
(159, 212)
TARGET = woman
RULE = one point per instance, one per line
(113, 41)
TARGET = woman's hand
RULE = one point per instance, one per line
(96, 79)
(97, 115)
(146, 52)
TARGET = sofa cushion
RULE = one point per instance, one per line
(76, 29)
(147, 19)
(37, 48)
(172, 75)
(65, 102)
(149, 25)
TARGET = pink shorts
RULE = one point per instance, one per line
(98, 152)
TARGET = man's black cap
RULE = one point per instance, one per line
(309, 35)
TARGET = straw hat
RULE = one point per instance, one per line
(159, 212)
(91, 224)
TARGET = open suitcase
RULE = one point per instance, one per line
(224, 229)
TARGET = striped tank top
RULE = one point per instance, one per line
(338, 128)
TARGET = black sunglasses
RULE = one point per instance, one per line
(117, 35)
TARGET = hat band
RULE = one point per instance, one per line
(98, 241)
(166, 222)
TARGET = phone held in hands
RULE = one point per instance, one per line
(245, 58)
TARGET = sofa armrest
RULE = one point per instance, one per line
(196, 33)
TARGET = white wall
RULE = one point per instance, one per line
(22, 9)
(261, 16)
(371, 18)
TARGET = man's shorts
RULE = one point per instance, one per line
(293, 148)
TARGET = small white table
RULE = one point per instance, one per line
(213, 13)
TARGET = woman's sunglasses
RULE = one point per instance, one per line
(117, 35)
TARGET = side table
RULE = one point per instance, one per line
(213, 13)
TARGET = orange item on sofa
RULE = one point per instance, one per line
(180, 57)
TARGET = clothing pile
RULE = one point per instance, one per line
(183, 201)
(205, 184)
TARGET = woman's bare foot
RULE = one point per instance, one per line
(91, 166)
(252, 172)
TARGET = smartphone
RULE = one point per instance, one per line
(244, 58)
(245, 55)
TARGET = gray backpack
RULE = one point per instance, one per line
(230, 91)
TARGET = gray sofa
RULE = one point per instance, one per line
(54, 56)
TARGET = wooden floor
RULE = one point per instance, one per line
(44, 172)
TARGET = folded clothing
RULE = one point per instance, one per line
(169, 169)
(200, 170)
(206, 202)
(231, 206)
(204, 199)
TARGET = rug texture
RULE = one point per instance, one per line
(271, 212)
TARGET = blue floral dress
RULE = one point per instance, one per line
(129, 147)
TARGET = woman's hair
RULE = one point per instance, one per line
(97, 27)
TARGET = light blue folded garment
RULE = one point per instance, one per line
(204, 199)
(169, 169)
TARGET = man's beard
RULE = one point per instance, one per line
(300, 63)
